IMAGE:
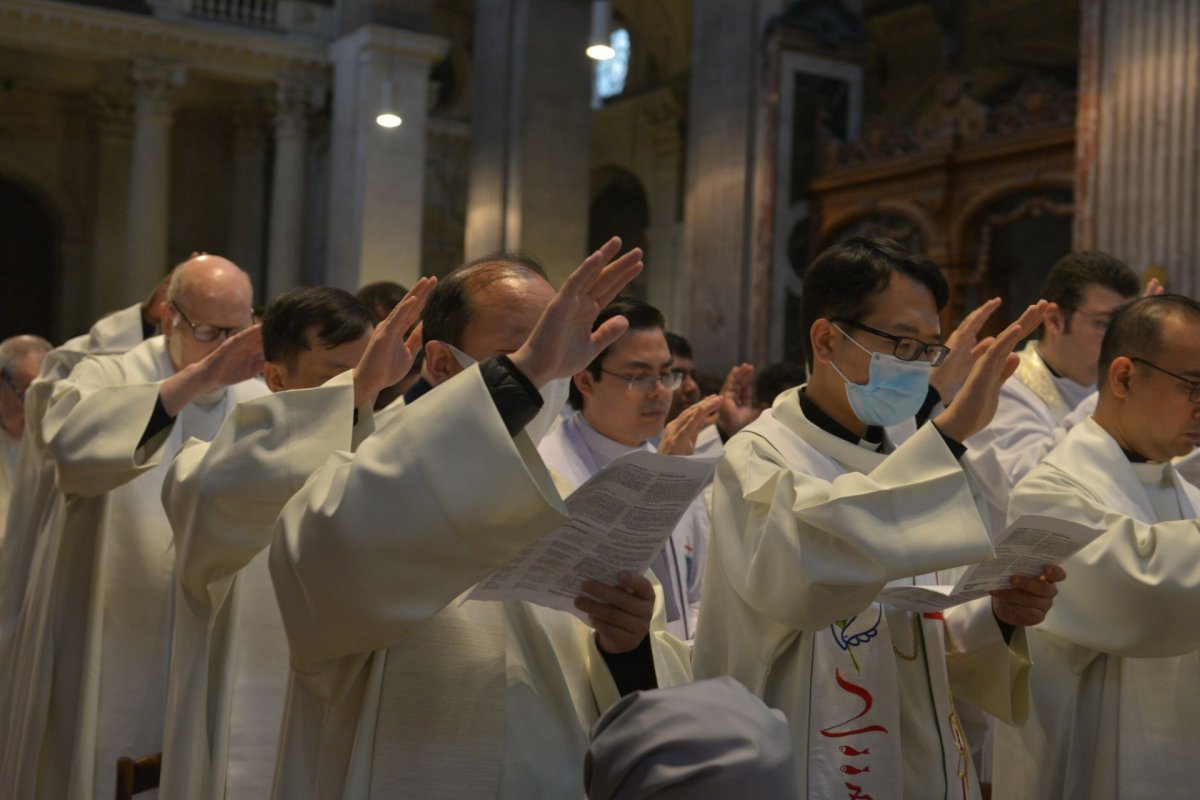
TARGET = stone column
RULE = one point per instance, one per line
(247, 202)
(663, 237)
(1138, 170)
(377, 188)
(113, 109)
(286, 242)
(531, 132)
(149, 175)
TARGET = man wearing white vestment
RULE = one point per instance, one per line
(103, 597)
(815, 510)
(20, 360)
(36, 503)
(229, 669)
(621, 401)
(1114, 683)
(399, 689)
(1054, 386)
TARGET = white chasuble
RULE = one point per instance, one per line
(1116, 681)
(100, 612)
(229, 666)
(397, 689)
(36, 504)
(807, 528)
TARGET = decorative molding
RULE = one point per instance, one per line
(154, 83)
(112, 110)
(100, 35)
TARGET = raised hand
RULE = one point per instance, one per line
(948, 377)
(1153, 288)
(679, 436)
(620, 614)
(389, 354)
(238, 358)
(737, 400)
(563, 342)
(1029, 599)
(975, 404)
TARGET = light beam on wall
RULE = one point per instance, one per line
(598, 45)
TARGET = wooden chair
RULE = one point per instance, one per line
(135, 777)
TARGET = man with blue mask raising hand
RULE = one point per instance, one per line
(816, 509)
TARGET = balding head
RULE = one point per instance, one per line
(20, 362)
(484, 308)
(1150, 377)
(205, 292)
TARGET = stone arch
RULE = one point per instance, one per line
(619, 207)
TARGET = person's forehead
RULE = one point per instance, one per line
(1180, 345)
(906, 308)
(1100, 299)
(641, 346)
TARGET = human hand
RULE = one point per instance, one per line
(238, 358)
(563, 342)
(1029, 599)
(679, 435)
(620, 614)
(975, 404)
(389, 354)
(1153, 288)
(737, 408)
(948, 376)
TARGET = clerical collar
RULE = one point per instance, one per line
(1150, 472)
(816, 416)
(1135, 457)
(605, 450)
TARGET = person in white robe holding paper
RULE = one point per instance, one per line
(398, 688)
(101, 608)
(1054, 387)
(815, 511)
(622, 401)
(229, 667)
(1114, 683)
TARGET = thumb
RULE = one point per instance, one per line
(608, 333)
(413, 343)
(1010, 366)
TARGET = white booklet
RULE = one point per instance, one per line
(620, 519)
(1022, 549)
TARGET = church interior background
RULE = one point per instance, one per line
(731, 139)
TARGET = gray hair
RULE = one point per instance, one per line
(15, 349)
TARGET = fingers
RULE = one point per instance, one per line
(1033, 585)
(627, 607)
(1014, 333)
(579, 281)
(608, 332)
(409, 308)
(616, 276)
(700, 413)
(1053, 573)
(975, 320)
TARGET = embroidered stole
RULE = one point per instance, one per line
(1034, 373)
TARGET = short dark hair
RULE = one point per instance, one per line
(641, 315)
(334, 316)
(777, 378)
(843, 280)
(679, 346)
(381, 297)
(1072, 274)
(448, 310)
(1136, 328)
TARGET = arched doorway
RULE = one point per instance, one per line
(620, 208)
(27, 245)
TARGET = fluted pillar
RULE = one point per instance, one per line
(1138, 169)
(149, 176)
(113, 113)
(248, 196)
(286, 238)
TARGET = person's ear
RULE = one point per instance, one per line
(165, 318)
(823, 336)
(440, 362)
(1120, 376)
(1055, 319)
(585, 382)
(274, 377)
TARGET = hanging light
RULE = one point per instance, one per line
(599, 47)
(387, 118)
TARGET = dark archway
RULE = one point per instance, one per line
(620, 208)
(27, 250)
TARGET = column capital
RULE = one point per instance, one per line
(374, 42)
(293, 101)
(247, 121)
(155, 81)
(112, 110)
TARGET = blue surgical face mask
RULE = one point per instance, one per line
(894, 392)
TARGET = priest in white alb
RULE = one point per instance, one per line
(229, 667)
(100, 610)
(398, 688)
(1115, 680)
(816, 509)
(20, 361)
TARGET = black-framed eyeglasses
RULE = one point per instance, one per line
(904, 348)
(205, 333)
(1193, 386)
(646, 383)
(12, 384)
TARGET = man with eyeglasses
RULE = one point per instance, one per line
(816, 509)
(621, 401)
(1055, 385)
(20, 360)
(1115, 695)
(101, 593)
